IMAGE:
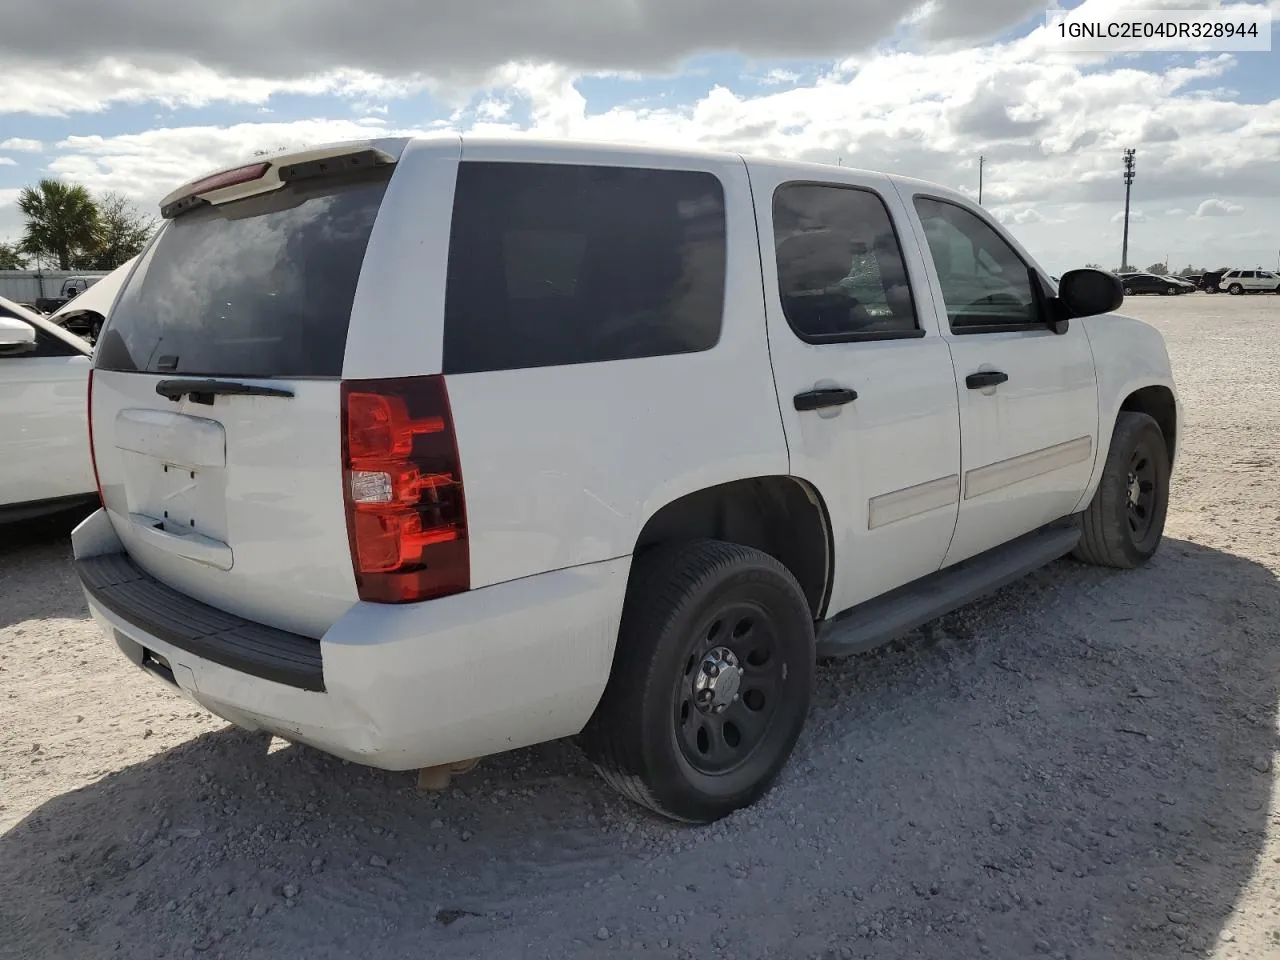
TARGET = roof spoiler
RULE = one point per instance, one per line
(264, 176)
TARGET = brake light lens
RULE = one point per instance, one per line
(229, 178)
(402, 483)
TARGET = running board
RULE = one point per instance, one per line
(880, 620)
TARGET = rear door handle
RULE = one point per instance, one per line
(987, 378)
(825, 397)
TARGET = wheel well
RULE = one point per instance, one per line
(1158, 403)
(781, 516)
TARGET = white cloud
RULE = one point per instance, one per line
(779, 76)
(8, 162)
(1213, 207)
(462, 41)
(1135, 216)
(22, 145)
(1175, 212)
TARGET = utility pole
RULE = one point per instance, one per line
(981, 161)
(1128, 186)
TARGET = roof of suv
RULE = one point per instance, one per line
(551, 150)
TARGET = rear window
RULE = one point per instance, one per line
(553, 264)
(260, 287)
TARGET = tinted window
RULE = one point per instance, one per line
(840, 268)
(984, 282)
(553, 264)
(261, 287)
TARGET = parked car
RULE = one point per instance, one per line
(1249, 281)
(84, 315)
(1209, 282)
(420, 450)
(1135, 283)
(44, 448)
(1183, 285)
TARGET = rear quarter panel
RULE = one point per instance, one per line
(563, 465)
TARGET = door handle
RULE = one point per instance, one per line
(824, 397)
(987, 378)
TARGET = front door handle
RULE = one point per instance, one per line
(987, 378)
(824, 397)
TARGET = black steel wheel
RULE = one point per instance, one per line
(730, 689)
(711, 680)
(1124, 523)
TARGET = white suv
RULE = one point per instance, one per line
(420, 450)
(1249, 281)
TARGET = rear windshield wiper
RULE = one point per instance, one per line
(203, 391)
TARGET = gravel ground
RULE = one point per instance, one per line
(1081, 766)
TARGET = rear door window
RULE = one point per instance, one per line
(555, 264)
(841, 275)
(259, 287)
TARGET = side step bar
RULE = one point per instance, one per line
(880, 620)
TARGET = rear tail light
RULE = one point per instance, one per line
(402, 483)
(93, 454)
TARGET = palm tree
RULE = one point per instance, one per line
(62, 221)
(11, 257)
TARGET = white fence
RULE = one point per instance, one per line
(28, 286)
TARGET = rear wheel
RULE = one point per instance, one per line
(711, 680)
(1235, 289)
(1123, 524)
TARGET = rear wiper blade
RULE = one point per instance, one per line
(203, 391)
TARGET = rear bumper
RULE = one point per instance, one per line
(398, 686)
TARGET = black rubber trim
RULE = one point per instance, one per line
(122, 588)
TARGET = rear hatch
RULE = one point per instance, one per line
(216, 394)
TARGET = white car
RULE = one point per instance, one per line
(44, 440)
(420, 450)
(1249, 281)
(86, 313)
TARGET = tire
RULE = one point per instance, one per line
(95, 330)
(1128, 291)
(1276, 290)
(1114, 533)
(655, 736)
(1212, 288)
(1235, 289)
(1171, 291)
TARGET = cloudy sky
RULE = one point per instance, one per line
(140, 95)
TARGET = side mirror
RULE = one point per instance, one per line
(1088, 292)
(16, 337)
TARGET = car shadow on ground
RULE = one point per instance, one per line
(36, 577)
(1076, 767)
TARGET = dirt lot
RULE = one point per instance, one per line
(1080, 767)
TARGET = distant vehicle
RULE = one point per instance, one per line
(1210, 279)
(72, 287)
(44, 433)
(1184, 285)
(1237, 282)
(85, 314)
(1135, 283)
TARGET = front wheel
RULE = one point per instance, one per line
(1128, 291)
(711, 680)
(1235, 289)
(1170, 291)
(1124, 523)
